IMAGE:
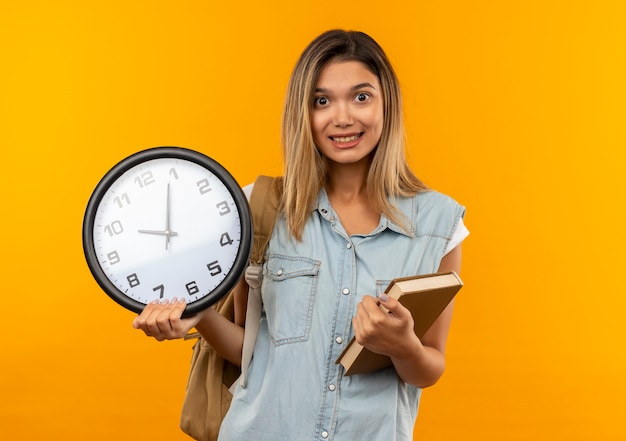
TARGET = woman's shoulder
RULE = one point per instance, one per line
(433, 210)
(429, 201)
(435, 198)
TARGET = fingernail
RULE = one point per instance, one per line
(165, 301)
(383, 297)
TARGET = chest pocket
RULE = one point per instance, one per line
(381, 286)
(289, 289)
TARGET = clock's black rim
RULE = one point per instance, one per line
(243, 254)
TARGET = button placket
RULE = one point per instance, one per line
(347, 285)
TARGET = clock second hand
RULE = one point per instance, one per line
(167, 232)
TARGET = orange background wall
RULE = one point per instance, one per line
(516, 108)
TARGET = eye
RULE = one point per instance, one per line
(320, 101)
(362, 97)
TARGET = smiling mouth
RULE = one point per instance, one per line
(346, 138)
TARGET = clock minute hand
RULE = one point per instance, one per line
(167, 232)
(167, 217)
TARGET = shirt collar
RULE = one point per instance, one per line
(406, 206)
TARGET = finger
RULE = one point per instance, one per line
(396, 308)
(169, 319)
(370, 302)
(357, 320)
(367, 319)
(152, 323)
(162, 320)
(371, 308)
(159, 321)
(140, 321)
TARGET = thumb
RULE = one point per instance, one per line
(393, 306)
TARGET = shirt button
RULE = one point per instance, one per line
(324, 434)
(346, 291)
(348, 245)
(339, 340)
(279, 272)
(332, 387)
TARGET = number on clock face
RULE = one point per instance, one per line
(167, 228)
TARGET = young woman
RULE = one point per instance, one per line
(353, 217)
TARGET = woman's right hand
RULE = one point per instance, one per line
(162, 320)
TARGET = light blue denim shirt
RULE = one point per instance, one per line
(295, 390)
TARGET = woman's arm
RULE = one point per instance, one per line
(163, 322)
(420, 363)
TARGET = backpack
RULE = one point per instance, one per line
(208, 394)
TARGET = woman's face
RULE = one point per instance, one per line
(347, 115)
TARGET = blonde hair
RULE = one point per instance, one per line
(305, 168)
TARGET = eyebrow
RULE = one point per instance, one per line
(353, 88)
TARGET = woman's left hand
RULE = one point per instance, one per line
(384, 331)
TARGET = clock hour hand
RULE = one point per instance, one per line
(166, 233)
(159, 232)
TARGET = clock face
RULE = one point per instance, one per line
(167, 222)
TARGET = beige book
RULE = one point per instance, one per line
(426, 296)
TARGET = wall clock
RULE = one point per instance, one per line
(167, 222)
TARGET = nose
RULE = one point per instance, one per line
(342, 116)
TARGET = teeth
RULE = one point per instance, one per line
(345, 138)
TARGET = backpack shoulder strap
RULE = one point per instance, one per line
(264, 203)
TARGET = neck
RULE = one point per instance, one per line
(347, 181)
